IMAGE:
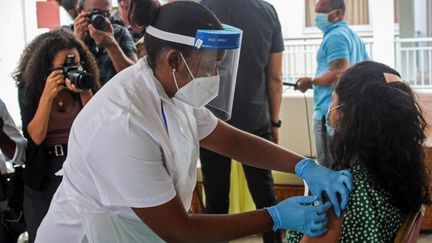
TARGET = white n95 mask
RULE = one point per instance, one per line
(220, 48)
(199, 91)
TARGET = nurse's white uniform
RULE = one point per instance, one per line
(121, 155)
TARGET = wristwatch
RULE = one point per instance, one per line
(276, 124)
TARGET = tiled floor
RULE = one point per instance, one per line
(425, 238)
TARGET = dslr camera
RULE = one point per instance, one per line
(99, 19)
(76, 73)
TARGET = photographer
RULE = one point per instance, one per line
(51, 93)
(12, 147)
(121, 18)
(111, 44)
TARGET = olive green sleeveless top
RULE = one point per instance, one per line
(369, 217)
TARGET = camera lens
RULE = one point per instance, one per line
(81, 79)
(85, 81)
(99, 22)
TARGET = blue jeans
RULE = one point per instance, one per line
(321, 141)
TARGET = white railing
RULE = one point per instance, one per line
(299, 58)
(414, 61)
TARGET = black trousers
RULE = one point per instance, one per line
(37, 202)
(216, 171)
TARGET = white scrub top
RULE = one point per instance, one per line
(121, 154)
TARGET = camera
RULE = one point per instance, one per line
(99, 19)
(76, 73)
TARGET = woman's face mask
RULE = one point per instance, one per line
(199, 91)
(329, 128)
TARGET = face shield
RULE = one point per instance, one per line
(218, 53)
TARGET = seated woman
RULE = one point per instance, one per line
(378, 133)
(55, 76)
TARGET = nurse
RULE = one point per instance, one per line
(130, 171)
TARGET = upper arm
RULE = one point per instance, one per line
(206, 122)
(337, 47)
(274, 67)
(339, 65)
(274, 63)
(334, 229)
(27, 111)
(277, 38)
(14, 134)
(221, 139)
(127, 44)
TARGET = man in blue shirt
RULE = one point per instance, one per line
(341, 47)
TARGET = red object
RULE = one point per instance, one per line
(48, 15)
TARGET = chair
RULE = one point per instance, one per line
(410, 228)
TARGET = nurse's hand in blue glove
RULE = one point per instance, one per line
(300, 214)
(321, 179)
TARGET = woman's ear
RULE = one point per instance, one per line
(173, 59)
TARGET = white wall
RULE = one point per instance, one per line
(382, 20)
(420, 18)
(17, 30)
(12, 43)
(292, 16)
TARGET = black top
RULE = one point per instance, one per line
(36, 166)
(261, 36)
(104, 63)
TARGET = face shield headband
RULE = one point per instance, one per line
(227, 40)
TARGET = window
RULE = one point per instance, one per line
(356, 13)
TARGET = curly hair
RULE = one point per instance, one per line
(35, 63)
(382, 127)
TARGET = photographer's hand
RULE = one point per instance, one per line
(85, 95)
(70, 86)
(53, 85)
(103, 39)
(38, 126)
(81, 25)
(106, 39)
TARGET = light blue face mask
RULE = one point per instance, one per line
(321, 20)
(330, 130)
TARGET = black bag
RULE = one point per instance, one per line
(12, 217)
(3, 187)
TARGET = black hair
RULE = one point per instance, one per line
(180, 17)
(35, 63)
(69, 5)
(382, 127)
(81, 3)
(337, 4)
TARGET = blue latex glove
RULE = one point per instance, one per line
(298, 213)
(321, 179)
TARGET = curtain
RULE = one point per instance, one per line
(429, 19)
(356, 13)
(396, 9)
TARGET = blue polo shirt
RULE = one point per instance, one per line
(339, 42)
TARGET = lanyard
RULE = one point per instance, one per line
(164, 117)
